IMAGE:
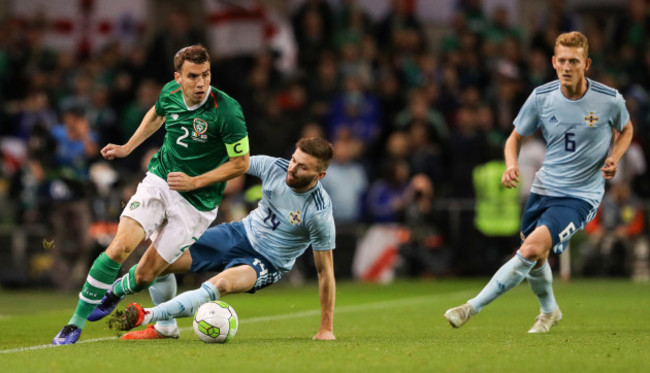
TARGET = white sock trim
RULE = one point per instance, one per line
(98, 284)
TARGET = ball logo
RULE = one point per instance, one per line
(200, 126)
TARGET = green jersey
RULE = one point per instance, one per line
(199, 139)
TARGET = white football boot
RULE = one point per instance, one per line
(545, 321)
(458, 316)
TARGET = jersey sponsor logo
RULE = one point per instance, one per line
(134, 205)
(591, 119)
(294, 217)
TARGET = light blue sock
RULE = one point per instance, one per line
(508, 276)
(541, 282)
(161, 291)
(183, 305)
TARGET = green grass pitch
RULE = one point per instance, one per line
(379, 328)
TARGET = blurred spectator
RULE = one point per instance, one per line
(400, 30)
(615, 233)
(499, 28)
(425, 153)
(352, 24)
(30, 57)
(631, 166)
(473, 11)
(294, 103)
(497, 219)
(313, 30)
(391, 99)
(29, 184)
(34, 110)
(466, 148)
(102, 116)
(357, 110)
(351, 63)
(508, 96)
(263, 81)
(176, 32)
(632, 28)
(559, 16)
(418, 110)
(386, 197)
(71, 216)
(346, 181)
(539, 71)
(324, 87)
(424, 253)
(147, 95)
(272, 132)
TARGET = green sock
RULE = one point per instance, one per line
(127, 284)
(100, 278)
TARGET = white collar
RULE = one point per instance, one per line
(192, 108)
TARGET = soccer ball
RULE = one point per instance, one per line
(215, 322)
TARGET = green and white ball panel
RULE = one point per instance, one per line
(215, 322)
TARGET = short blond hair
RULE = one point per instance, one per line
(573, 39)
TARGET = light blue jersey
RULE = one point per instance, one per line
(578, 135)
(285, 223)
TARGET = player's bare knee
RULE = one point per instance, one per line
(224, 285)
(118, 250)
(144, 278)
(531, 251)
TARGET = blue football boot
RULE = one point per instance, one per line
(106, 306)
(67, 336)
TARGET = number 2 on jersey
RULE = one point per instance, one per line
(178, 140)
(569, 142)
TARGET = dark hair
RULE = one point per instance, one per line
(76, 110)
(319, 148)
(194, 53)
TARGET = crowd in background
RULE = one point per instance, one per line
(411, 116)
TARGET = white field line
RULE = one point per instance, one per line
(346, 309)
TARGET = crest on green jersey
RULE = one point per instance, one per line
(200, 126)
(134, 205)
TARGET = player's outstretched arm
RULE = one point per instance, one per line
(235, 166)
(150, 124)
(510, 176)
(326, 290)
(622, 141)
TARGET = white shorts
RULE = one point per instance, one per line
(171, 222)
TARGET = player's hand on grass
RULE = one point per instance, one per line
(510, 177)
(324, 336)
(112, 151)
(609, 169)
(180, 182)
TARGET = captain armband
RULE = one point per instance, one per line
(239, 148)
